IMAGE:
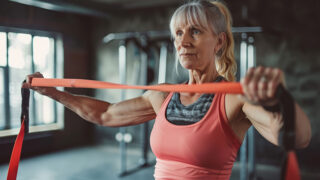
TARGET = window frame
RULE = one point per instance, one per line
(58, 123)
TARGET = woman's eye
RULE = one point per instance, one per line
(179, 33)
(195, 31)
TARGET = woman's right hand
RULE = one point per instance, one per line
(41, 90)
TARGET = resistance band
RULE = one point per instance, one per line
(223, 87)
(290, 170)
(16, 152)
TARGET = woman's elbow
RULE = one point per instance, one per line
(303, 129)
(104, 119)
(304, 141)
(101, 119)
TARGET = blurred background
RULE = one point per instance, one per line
(128, 41)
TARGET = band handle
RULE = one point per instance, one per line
(25, 93)
(286, 138)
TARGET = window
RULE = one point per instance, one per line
(23, 52)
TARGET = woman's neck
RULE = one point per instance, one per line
(208, 74)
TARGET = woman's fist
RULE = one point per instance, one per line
(260, 85)
(41, 90)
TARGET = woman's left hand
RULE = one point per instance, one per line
(260, 85)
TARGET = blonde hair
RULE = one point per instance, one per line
(215, 16)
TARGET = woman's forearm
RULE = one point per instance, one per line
(88, 108)
(302, 127)
(268, 124)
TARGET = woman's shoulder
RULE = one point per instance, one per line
(233, 106)
(156, 98)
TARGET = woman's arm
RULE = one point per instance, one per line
(268, 124)
(259, 87)
(130, 112)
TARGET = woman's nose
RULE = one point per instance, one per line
(186, 40)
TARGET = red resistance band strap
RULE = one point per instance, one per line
(15, 155)
(292, 170)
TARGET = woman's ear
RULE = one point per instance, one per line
(221, 41)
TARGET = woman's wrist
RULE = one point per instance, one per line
(272, 108)
(48, 91)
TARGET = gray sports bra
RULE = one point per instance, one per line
(180, 114)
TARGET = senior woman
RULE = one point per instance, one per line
(197, 136)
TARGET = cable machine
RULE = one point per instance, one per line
(144, 42)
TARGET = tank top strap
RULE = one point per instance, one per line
(165, 103)
(225, 122)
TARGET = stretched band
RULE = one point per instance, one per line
(222, 87)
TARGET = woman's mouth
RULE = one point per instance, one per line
(187, 54)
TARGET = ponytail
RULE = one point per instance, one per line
(226, 64)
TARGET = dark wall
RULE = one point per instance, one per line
(76, 34)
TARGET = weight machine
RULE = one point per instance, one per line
(144, 42)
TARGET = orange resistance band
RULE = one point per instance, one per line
(223, 87)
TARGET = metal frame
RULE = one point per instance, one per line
(143, 42)
(122, 74)
(6, 83)
(247, 150)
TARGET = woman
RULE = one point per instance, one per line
(197, 136)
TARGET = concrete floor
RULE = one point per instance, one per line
(103, 163)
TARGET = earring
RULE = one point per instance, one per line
(219, 53)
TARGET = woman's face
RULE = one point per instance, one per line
(195, 46)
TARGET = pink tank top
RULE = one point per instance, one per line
(204, 150)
